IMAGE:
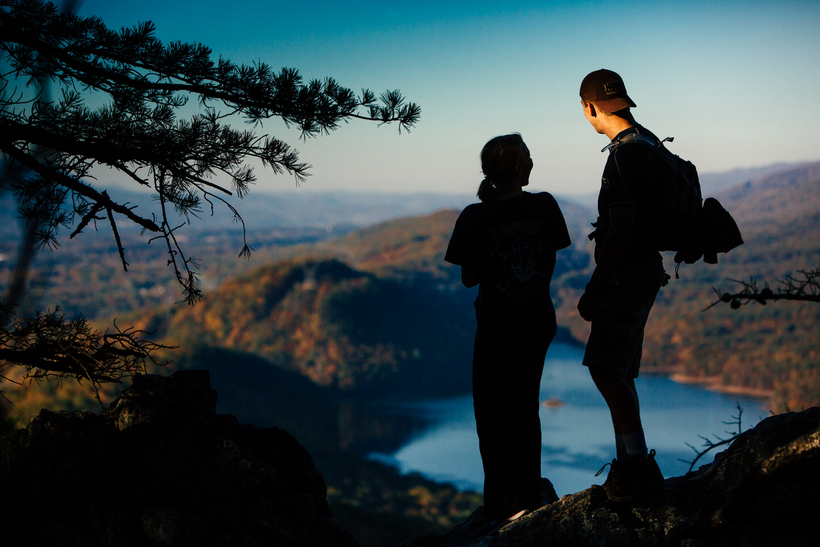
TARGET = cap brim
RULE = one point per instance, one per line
(615, 105)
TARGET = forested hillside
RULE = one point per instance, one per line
(341, 328)
(767, 350)
(770, 351)
(773, 349)
(314, 319)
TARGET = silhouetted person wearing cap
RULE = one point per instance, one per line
(628, 275)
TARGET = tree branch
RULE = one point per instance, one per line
(49, 345)
(73, 184)
(710, 445)
(806, 289)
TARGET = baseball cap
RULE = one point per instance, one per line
(607, 90)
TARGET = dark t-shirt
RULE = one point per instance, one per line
(510, 244)
(636, 182)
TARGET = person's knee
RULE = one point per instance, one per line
(601, 375)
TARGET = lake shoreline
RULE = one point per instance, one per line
(712, 383)
(576, 426)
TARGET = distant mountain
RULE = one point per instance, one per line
(361, 209)
(716, 182)
(777, 200)
(343, 329)
(387, 297)
(303, 209)
(386, 289)
(710, 183)
(358, 209)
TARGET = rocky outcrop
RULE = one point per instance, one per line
(761, 491)
(160, 467)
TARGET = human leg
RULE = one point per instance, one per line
(613, 352)
(621, 397)
(613, 357)
(507, 367)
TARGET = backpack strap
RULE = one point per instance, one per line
(630, 138)
(635, 137)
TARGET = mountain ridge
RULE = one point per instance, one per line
(778, 215)
(342, 328)
(678, 329)
(722, 348)
(357, 209)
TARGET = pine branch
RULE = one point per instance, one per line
(54, 62)
(133, 63)
(75, 185)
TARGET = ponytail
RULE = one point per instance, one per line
(499, 158)
(487, 191)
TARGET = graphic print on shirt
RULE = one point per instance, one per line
(516, 258)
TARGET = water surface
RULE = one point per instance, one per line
(577, 437)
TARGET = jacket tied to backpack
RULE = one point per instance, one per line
(691, 227)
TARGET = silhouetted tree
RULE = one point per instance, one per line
(79, 101)
(805, 289)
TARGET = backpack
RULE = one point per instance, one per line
(690, 226)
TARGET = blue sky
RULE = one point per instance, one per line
(734, 82)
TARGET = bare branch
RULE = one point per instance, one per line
(117, 239)
(805, 289)
(710, 445)
(51, 346)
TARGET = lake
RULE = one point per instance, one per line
(577, 437)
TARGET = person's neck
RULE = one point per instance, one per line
(510, 192)
(616, 125)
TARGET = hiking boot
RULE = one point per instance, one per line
(632, 478)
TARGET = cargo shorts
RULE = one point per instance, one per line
(616, 339)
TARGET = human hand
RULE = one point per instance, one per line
(587, 304)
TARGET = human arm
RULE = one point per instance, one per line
(614, 245)
(550, 264)
(469, 276)
(612, 250)
(464, 248)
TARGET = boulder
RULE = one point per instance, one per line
(159, 467)
(761, 491)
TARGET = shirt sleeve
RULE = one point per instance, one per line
(559, 234)
(463, 248)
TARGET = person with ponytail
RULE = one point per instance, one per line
(507, 245)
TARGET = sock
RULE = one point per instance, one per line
(635, 444)
(620, 447)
